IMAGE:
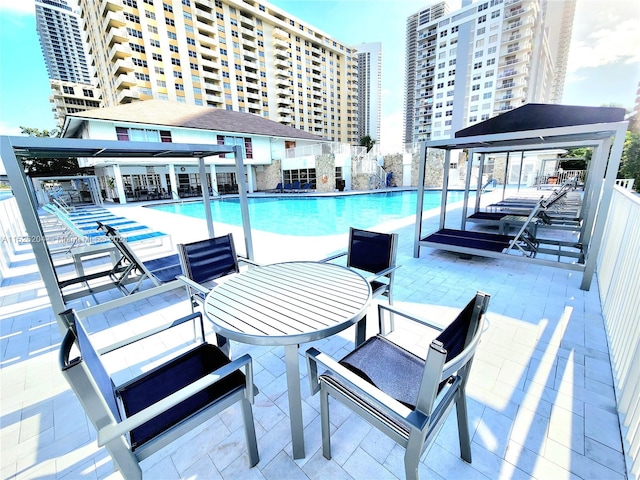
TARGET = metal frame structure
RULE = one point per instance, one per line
(607, 141)
(13, 149)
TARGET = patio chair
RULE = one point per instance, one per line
(205, 261)
(136, 419)
(406, 397)
(373, 253)
(278, 188)
(159, 270)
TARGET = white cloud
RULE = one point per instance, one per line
(7, 129)
(619, 44)
(18, 6)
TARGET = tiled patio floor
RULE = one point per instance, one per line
(541, 397)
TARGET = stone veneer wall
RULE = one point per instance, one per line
(269, 177)
(393, 163)
(325, 166)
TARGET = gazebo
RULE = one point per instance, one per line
(13, 149)
(532, 127)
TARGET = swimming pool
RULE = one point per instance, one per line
(314, 215)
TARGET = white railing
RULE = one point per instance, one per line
(12, 232)
(625, 183)
(619, 283)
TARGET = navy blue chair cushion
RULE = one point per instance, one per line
(166, 268)
(457, 335)
(209, 259)
(390, 368)
(166, 379)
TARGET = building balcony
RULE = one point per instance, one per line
(282, 63)
(113, 20)
(119, 51)
(125, 80)
(282, 44)
(280, 33)
(281, 82)
(284, 91)
(111, 6)
(206, 40)
(206, 28)
(128, 95)
(123, 65)
(117, 35)
(214, 98)
(209, 64)
(246, 32)
(251, 75)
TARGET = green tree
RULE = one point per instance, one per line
(630, 161)
(38, 167)
(368, 142)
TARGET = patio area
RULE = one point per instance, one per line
(541, 395)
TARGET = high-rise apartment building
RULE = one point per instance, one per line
(240, 55)
(369, 90)
(414, 24)
(476, 62)
(58, 28)
(558, 20)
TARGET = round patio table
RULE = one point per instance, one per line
(288, 304)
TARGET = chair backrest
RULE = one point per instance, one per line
(88, 362)
(371, 251)
(459, 334)
(121, 244)
(209, 259)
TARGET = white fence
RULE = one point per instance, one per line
(619, 283)
(12, 230)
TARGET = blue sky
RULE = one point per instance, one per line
(604, 63)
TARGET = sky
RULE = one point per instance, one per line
(604, 60)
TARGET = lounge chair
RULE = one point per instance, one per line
(405, 396)
(278, 188)
(138, 418)
(295, 188)
(159, 270)
(287, 188)
(373, 253)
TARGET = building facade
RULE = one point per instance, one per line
(369, 90)
(233, 54)
(62, 45)
(474, 63)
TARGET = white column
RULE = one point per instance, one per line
(119, 184)
(173, 191)
(214, 179)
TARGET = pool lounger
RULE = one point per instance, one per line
(464, 241)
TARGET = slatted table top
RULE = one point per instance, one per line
(288, 303)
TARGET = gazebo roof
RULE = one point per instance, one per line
(536, 116)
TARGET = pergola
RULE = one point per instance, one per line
(535, 127)
(13, 149)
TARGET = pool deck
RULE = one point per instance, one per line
(541, 396)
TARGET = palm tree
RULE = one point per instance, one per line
(368, 142)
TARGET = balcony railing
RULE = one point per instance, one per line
(619, 282)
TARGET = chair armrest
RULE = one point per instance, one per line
(113, 431)
(248, 261)
(196, 286)
(377, 397)
(383, 273)
(332, 257)
(151, 332)
(408, 316)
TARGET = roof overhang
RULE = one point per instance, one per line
(36, 147)
(542, 139)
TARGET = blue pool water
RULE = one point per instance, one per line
(330, 215)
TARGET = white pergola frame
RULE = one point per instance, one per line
(12, 149)
(607, 141)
